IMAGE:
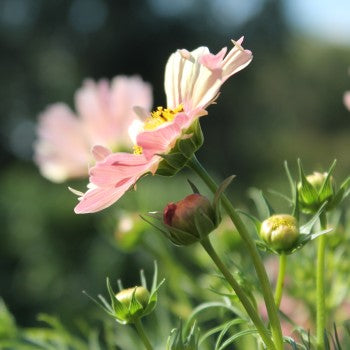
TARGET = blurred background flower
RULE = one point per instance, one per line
(286, 104)
(63, 148)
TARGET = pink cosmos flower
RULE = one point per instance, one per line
(104, 114)
(192, 83)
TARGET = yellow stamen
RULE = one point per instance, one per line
(138, 149)
(161, 115)
(277, 222)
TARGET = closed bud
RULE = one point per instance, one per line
(280, 232)
(190, 219)
(316, 180)
(131, 304)
(314, 191)
(141, 295)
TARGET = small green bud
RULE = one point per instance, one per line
(280, 231)
(316, 180)
(142, 295)
(190, 219)
(314, 191)
(131, 304)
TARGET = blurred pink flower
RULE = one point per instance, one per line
(346, 99)
(104, 114)
(192, 83)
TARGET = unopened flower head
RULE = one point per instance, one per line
(141, 294)
(131, 304)
(190, 219)
(192, 83)
(316, 180)
(316, 189)
(280, 231)
(104, 114)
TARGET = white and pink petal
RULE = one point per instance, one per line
(99, 198)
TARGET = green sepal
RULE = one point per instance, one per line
(307, 192)
(175, 235)
(306, 228)
(180, 237)
(341, 194)
(175, 160)
(187, 147)
(135, 310)
(165, 168)
(161, 229)
(204, 224)
(143, 279)
(296, 204)
(327, 189)
(217, 196)
(222, 187)
(153, 298)
(187, 144)
(325, 192)
(193, 187)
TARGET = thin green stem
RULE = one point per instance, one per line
(280, 279)
(240, 293)
(194, 164)
(320, 282)
(142, 334)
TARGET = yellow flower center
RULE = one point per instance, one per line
(137, 149)
(161, 115)
(277, 221)
(158, 117)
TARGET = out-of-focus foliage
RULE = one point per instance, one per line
(286, 105)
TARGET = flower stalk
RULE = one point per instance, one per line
(142, 334)
(239, 292)
(320, 282)
(280, 279)
(195, 165)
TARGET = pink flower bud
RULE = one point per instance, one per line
(190, 216)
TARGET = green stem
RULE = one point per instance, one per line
(142, 334)
(194, 164)
(280, 279)
(320, 291)
(240, 293)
